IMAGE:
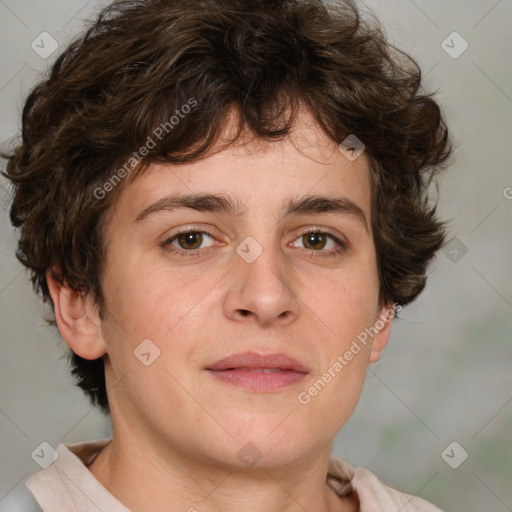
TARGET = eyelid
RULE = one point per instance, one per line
(319, 229)
(193, 228)
(302, 231)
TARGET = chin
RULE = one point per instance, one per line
(267, 447)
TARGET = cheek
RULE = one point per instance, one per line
(143, 296)
(345, 304)
(154, 301)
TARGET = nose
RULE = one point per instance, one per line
(260, 290)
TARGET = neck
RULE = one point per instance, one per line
(143, 479)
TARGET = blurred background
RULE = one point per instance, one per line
(435, 415)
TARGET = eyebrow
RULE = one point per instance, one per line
(222, 203)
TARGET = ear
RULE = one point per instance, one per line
(77, 318)
(383, 324)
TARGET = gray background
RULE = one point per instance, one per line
(445, 375)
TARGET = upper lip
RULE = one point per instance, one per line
(254, 360)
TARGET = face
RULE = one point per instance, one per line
(186, 287)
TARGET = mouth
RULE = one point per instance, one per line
(262, 370)
(252, 361)
(257, 372)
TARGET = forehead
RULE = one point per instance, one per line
(255, 175)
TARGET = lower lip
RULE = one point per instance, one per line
(259, 381)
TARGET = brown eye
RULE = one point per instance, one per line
(191, 240)
(320, 243)
(314, 240)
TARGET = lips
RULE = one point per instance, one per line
(254, 362)
(259, 373)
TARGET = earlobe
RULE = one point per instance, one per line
(383, 326)
(77, 320)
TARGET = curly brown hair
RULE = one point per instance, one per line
(143, 60)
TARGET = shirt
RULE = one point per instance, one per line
(67, 485)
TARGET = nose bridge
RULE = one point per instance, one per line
(262, 281)
(262, 268)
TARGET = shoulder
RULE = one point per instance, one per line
(374, 496)
(52, 492)
(373, 491)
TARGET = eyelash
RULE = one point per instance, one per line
(342, 246)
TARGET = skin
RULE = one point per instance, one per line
(176, 428)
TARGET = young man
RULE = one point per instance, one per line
(225, 202)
